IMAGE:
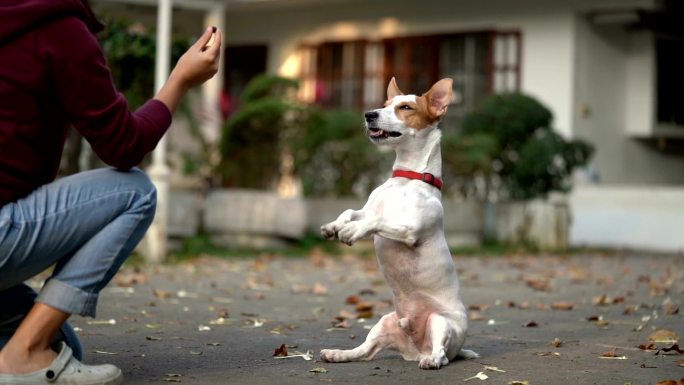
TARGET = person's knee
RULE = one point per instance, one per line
(142, 181)
(145, 185)
(147, 192)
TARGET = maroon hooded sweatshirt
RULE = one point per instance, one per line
(53, 75)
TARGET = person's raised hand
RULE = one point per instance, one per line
(200, 62)
(197, 65)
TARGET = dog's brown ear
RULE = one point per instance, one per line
(392, 89)
(439, 97)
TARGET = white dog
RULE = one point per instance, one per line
(405, 216)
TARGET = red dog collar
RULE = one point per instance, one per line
(425, 177)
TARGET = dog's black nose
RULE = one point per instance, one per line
(371, 116)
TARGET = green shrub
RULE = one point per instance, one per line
(330, 151)
(334, 157)
(507, 146)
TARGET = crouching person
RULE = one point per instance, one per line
(53, 76)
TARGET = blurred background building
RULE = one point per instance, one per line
(610, 71)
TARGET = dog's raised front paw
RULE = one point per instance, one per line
(329, 231)
(332, 355)
(351, 232)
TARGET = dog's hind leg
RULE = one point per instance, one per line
(445, 337)
(386, 333)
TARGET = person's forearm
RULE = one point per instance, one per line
(171, 93)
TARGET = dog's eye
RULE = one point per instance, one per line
(405, 107)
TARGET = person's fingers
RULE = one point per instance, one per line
(215, 49)
(204, 39)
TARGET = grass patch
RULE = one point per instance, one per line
(202, 245)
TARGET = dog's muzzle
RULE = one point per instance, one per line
(375, 132)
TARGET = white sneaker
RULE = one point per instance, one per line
(66, 370)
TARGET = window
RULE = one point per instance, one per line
(245, 62)
(339, 74)
(670, 81)
(354, 74)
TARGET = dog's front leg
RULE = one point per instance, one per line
(330, 231)
(402, 232)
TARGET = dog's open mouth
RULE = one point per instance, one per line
(376, 133)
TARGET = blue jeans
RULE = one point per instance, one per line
(86, 225)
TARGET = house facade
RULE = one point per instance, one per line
(609, 70)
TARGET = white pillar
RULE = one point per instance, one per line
(156, 238)
(211, 89)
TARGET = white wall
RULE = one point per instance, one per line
(612, 96)
(649, 218)
(640, 82)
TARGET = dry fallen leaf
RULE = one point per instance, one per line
(319, 289)
(281, 351)
(494, 369)
(650, 347)
(163, 294)
(681, 363)
(562, 305)
(365, 314)
(353, 300)
(658, 289)
(344, 324)
(544, 354)
(673, 348)
(480, 307)
(364, 307)
(530, 324)
(671, 309)
(103, 352)
(221, 321)
(597, 320)
(556, 342)
(346, 314)
(612, 355)
(664, 336)
(308, 356)
(519, 383)
(539, 284)
(367, 292)
(130, 278)
(479, 376)
(670, 382)
(476, 316)
(186, 294)
(172, 377)
(102, 322)
(318, 370)
(604, 300)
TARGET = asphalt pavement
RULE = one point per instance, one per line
(539, 319)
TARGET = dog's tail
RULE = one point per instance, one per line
(466, 354)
